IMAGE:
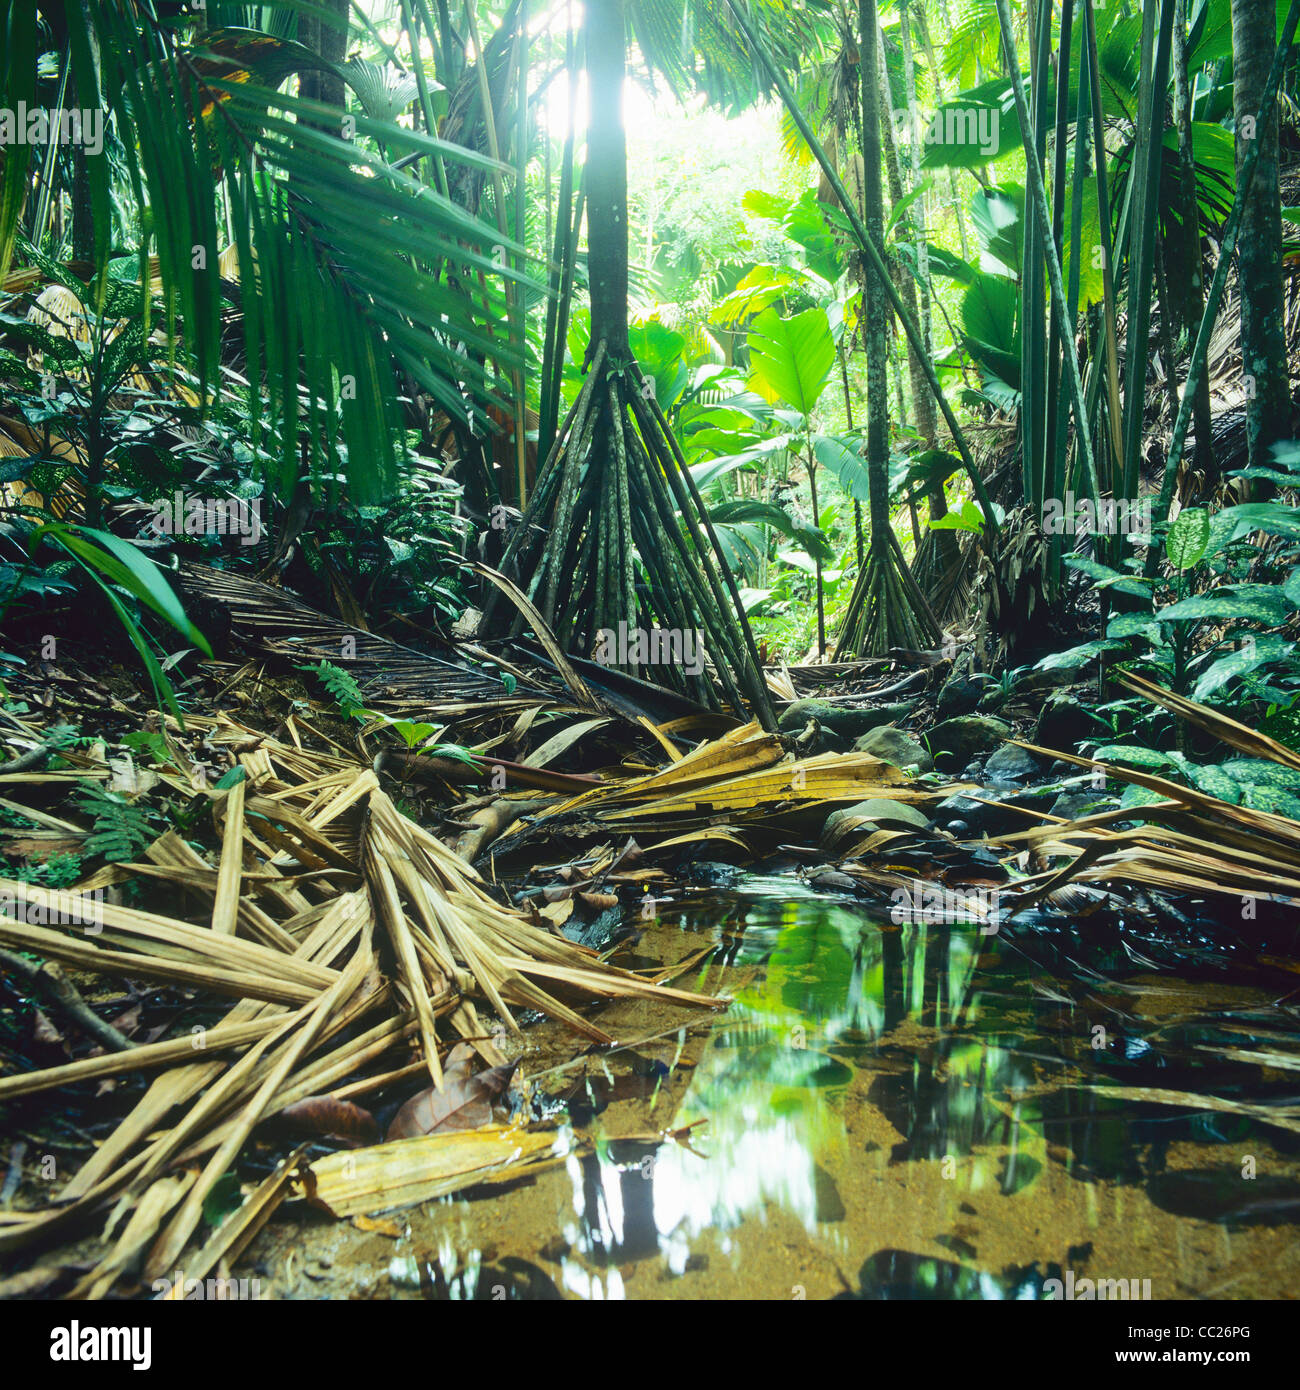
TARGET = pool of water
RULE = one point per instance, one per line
(886, 1110)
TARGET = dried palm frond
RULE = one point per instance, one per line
(1188, 842)
(319, 887)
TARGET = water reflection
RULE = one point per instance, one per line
(862, 1045)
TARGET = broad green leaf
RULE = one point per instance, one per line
(104, 554)
(990, 312)
(999, 217)
(1273, 518)
(1188, 536)
(1132, 755)
(1133, 625)
(843, 458)
(791, 359)
(1259, 651)
(1261, 603)
(1078, 656)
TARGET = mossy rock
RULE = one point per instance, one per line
(960, 739)
(846, 720)
(896, 747)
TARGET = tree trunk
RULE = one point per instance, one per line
(606, 177)
(1259, 246)
(876, 304)
(319, 84)
(1186, 268)
(925, 416)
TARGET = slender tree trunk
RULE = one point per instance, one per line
(606, 176)
(924, 414)
(876, 305)
(319, 84)
(1259, 247)
(936, 76)
(1187, 269)
(919, 225)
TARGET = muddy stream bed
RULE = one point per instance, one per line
(889, 1111)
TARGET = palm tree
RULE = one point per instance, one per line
(350, 267)
(887, 608)
(616, 539)
(1263, 346)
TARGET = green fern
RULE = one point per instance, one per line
(58, 871)
(121, 829)
(342, 687)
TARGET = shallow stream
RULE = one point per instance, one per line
(886, 1110)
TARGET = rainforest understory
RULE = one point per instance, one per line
(650, 649)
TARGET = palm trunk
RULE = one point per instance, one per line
(887, 608)
(606, 178)
(615, 537)
(876, 316)
(1263, 349)
(1188, 270)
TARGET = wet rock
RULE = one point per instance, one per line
(959, 695)
(600, 932)
(1223, 1196)
(714, 874)
(959, 810)
(847, 721)
(1012, 764)
(960, 739)
(901, 1274)
(1074, 805)
(994, 814)
(992, 700)
(1064, 723)
(893, 746)
(1029, 680)
(830, 1206)
(868, 816)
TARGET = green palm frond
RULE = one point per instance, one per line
(971, 51)
(693, 44)
(355, 276)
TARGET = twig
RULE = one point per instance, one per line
(56, 986)
(29, 761)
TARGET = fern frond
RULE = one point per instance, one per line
(121, 829)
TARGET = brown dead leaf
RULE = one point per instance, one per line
(558, 913)
(465, 1102)
(339, 1119)
(599, 901)
(128, 1022)
(43, 1030)
(379, 1226)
